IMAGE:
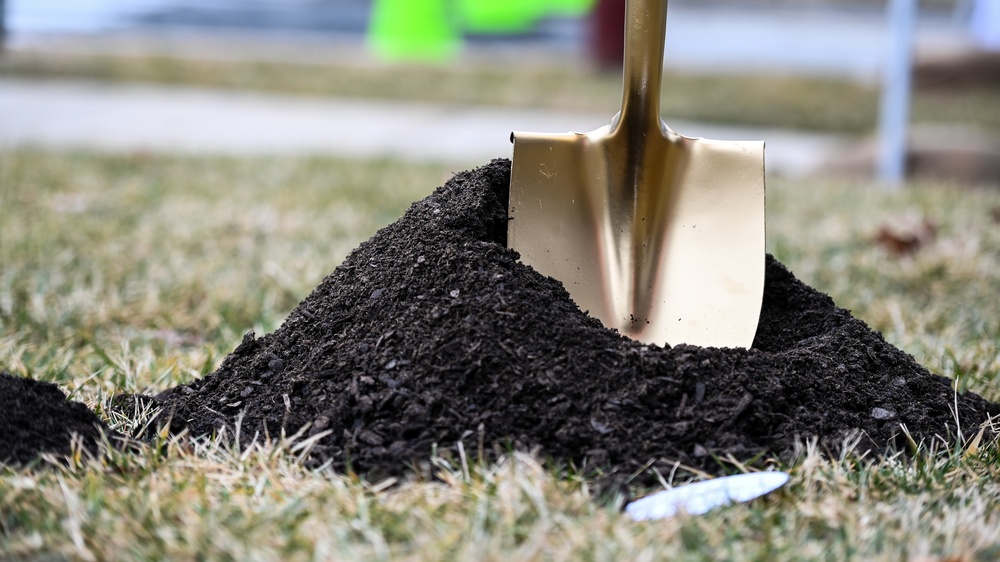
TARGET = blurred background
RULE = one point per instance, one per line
(175, 173)
(447, 80)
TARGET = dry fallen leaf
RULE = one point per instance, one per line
(908, 239)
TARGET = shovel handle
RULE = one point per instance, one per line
(645, 33)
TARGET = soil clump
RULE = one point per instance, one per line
(36, 418)
(431, 334)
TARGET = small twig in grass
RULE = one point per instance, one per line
(960, 439)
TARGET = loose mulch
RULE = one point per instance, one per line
(37, 418)
(431, 334)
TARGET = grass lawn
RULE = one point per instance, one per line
(774, 101)
(139, 272)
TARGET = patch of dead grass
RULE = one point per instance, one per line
(133, 273)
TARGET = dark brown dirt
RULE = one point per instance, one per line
(969, 70)
(36, 418)
(432, 332)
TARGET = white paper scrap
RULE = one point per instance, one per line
(700, 497)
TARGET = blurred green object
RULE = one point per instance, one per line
(513, 16)
(430, 30)
(571, 7)
(413, 30)
(507, 16)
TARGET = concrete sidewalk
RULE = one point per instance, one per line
(81, 115)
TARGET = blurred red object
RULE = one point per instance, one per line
(607, 33)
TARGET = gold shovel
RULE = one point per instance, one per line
(658, 235)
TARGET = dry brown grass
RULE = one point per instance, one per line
(131, 273)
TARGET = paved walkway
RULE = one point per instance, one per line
(132, 118)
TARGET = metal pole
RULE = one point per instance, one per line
(3, 24)
(895, 107)
(962, 10)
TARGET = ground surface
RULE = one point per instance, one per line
(431, 334)
(432, 337)
(37, 418)
(141, 272)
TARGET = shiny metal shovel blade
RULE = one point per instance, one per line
(658, 235)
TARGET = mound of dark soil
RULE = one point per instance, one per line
(36, 417)
(432, 332)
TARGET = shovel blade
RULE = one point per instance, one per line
(661, 239)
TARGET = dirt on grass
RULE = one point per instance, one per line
(37, 418)
(431, 338)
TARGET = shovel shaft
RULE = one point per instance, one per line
(645, 34)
